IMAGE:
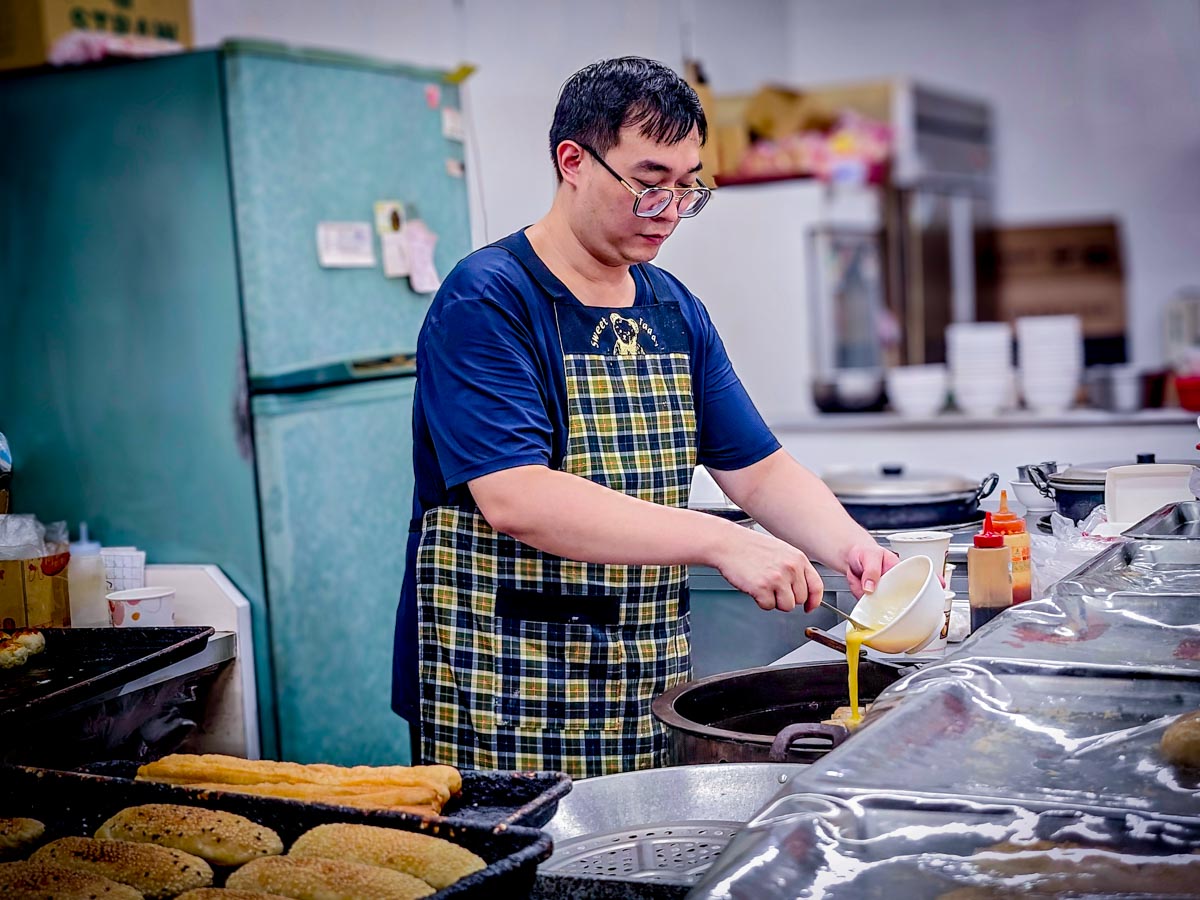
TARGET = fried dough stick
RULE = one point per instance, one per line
(182, 768)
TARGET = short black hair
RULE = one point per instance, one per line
(601, 99)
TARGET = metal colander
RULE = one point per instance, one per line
(668, 854)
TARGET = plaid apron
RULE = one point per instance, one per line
(529, 661)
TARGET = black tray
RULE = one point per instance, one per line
(487, 798)
(80, 664)
(73, 803)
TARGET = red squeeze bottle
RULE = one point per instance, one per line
(989, 582)
(1016, 538)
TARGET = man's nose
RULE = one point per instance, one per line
(670, 212)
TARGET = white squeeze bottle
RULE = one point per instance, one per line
(87, 584)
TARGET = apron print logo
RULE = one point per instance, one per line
(627, 334)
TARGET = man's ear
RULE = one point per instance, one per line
(570, 159)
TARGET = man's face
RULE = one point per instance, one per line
(606, 223)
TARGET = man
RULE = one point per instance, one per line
(566, 391)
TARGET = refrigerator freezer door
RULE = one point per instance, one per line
(122, 385)
(335, 476)
(315, 138)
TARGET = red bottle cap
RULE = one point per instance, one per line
(989, 538)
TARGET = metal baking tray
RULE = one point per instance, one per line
(487, 798)
(1139, 561)
(1174, 522)
(81, 664)
(1130, 633)
(72, 803)
(1086, 743)
(886, 845)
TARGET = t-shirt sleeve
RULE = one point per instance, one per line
(733, 434)
(483, 390)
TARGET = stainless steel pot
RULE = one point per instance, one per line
(1079, 489)
(891, 497)
(767, 714)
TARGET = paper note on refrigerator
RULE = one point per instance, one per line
(423, 276)
(395, 254)
(452, 124)
(345, 245)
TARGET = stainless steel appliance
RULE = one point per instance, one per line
(883, 295)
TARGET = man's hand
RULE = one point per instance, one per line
(774, 573)
(864, 564)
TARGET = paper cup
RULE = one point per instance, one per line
(934, 544)
(144, 606)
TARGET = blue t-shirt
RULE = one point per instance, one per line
(491, 395)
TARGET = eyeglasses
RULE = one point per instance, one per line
(653, 201)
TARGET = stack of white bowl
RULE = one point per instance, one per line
(981, 371)
(917, 392)
(1050, 359)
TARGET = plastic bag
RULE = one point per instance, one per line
(1069, 547)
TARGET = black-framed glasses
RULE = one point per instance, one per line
(653, 201)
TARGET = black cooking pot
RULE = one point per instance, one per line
(767, 714)
(892, 498)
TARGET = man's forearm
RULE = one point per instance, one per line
(577, 519)
(794, 505)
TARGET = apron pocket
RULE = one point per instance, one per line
(560, 661)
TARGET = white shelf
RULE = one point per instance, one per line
(1076, 418)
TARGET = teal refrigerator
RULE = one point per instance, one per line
(180, 372)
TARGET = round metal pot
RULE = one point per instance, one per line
(767, 714)
(1078, 490)
(892, 498)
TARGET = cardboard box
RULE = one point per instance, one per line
(33, 592)
(1056, 270)
(29, 28)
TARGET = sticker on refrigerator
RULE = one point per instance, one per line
(345, 245)
(455, 167)
(389, 216)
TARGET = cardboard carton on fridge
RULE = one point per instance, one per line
(29, 28)
(33, 592)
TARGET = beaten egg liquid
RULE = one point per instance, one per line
(854, 642)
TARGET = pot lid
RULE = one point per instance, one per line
(1094, 473)
(894, 481)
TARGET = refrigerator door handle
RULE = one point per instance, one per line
(349, 372)
(401, 364)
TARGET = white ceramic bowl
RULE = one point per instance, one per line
(1047, 395)
(858, 387)
(983, 396)
(1041, 326)
(904, 608)
(1030, 497)
(917, 391)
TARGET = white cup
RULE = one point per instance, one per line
(934, 544)
(142, 606)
